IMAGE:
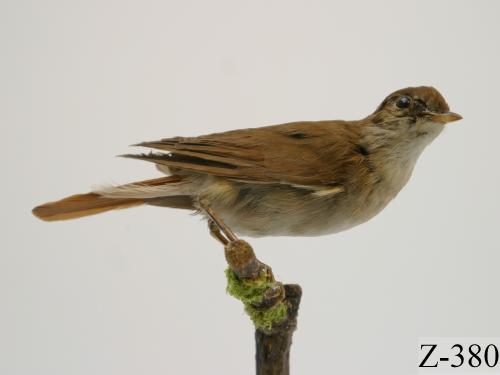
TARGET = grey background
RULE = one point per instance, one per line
(142, 291)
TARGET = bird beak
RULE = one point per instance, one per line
(443, 118)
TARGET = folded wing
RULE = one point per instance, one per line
(303, 153)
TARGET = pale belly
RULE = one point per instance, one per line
(282, 210)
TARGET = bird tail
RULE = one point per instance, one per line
(159, 192)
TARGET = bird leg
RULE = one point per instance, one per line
(216, 233)
(218, 229)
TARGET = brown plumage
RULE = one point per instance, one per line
(301, 178)
(298, 153)
(80, 205)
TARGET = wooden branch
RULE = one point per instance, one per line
(272, 306)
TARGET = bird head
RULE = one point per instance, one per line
(414, 112)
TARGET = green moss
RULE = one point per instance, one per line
(251, 292)
(264, 319)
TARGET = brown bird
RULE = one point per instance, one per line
(297, 179)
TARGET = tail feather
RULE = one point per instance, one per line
(80, 205)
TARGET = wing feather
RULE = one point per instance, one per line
(303, 153)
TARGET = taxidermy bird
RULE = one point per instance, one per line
(304, 178)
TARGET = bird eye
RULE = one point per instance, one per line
(403, 102)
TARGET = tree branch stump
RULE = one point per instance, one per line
(272, 306)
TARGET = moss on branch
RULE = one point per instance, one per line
(253, 293)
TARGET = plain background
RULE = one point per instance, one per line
(142, 291)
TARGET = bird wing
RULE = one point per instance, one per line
(301, 153)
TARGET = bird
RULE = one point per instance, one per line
(306, 178)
